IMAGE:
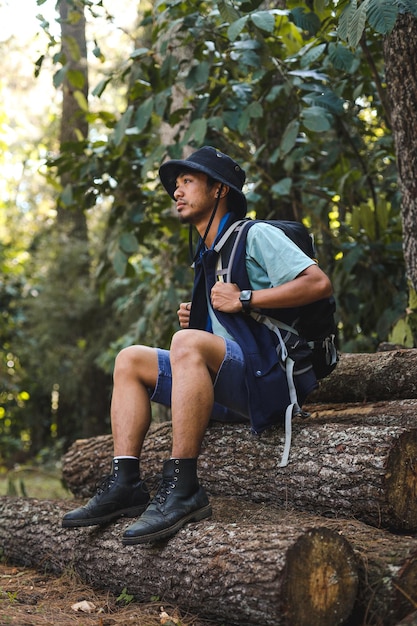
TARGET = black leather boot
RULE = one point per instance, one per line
(180, 499)
(122, 493)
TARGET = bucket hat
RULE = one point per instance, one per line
(213, 163)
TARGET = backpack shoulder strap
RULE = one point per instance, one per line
(228, 245)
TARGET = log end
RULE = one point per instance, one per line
(401, 481)
(321, 579)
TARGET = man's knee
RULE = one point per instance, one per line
(138, 362)
(195, 347)
(185, 343)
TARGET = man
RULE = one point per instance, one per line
(221, 364)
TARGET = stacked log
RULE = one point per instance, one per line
(388, 375)
(330, 539)
(259, 564)
(359, 464)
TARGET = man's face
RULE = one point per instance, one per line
(195, 199)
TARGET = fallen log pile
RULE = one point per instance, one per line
(259, 564)
(330, 539)
(352, 463)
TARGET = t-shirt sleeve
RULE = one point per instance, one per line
(272, 259)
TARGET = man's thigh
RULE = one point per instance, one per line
(229, 384)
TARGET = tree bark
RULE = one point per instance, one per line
(361, 464)
(260, 565)
(400, 54)
(73, 120)
(370, 377)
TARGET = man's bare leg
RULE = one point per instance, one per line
(123, 492)
(195, 360)
(196, 357)
(135, 372)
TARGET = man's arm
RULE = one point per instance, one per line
(310, 285)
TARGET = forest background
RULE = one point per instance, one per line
(318, 102)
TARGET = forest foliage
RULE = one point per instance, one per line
(295, 92)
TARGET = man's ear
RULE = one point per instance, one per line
(222, 191)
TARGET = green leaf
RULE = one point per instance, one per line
(314, 53)
(402, 334)
(255, 109)
(120, 262)
(139, 52)
(143, 114)
(330, 101)
(59, 76)
(99, 89)
(341, 57)
(198, 75)
(196, 131)
(228, 13)
(76, 78)
(66, 196)
(236, 28)
(315, 119)
(289, 137)
(309, 74)
(356, 24)
(407, 6)
(264, 20)
(343, 26)
(283, 187)
(81, 100)
(73, 47)
(128, 243)
(412, 300)
(121, 126)
(306, 21)
(382, 15)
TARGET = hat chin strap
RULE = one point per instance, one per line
(194, 256)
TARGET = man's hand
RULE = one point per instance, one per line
(184, 314)
(225, 298)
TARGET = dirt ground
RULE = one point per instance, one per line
(32, 598)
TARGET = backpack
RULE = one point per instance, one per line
(316, 323)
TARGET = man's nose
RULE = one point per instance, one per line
(178, 192)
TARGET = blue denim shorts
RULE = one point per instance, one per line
(230, 392)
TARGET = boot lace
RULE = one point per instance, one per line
(105, 484)
(164, 490)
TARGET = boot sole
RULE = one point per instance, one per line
(165, 533)
(104, 519)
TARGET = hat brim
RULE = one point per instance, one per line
(170, 170)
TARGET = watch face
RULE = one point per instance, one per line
(245, 295)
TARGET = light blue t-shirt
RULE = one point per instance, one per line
(272, 259)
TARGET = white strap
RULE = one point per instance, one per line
(273, 324)
(288, 434)
(235, 226)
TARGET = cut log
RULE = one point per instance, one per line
(260, 565)
(368, 377)
(365, 468)
(272, 574)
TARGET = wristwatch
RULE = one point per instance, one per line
(245, 298)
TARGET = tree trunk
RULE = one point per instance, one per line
(364, 467)
(260, 565)
(73, 120)
(400, 53)
(370, 377)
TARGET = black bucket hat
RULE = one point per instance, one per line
(209, 161)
